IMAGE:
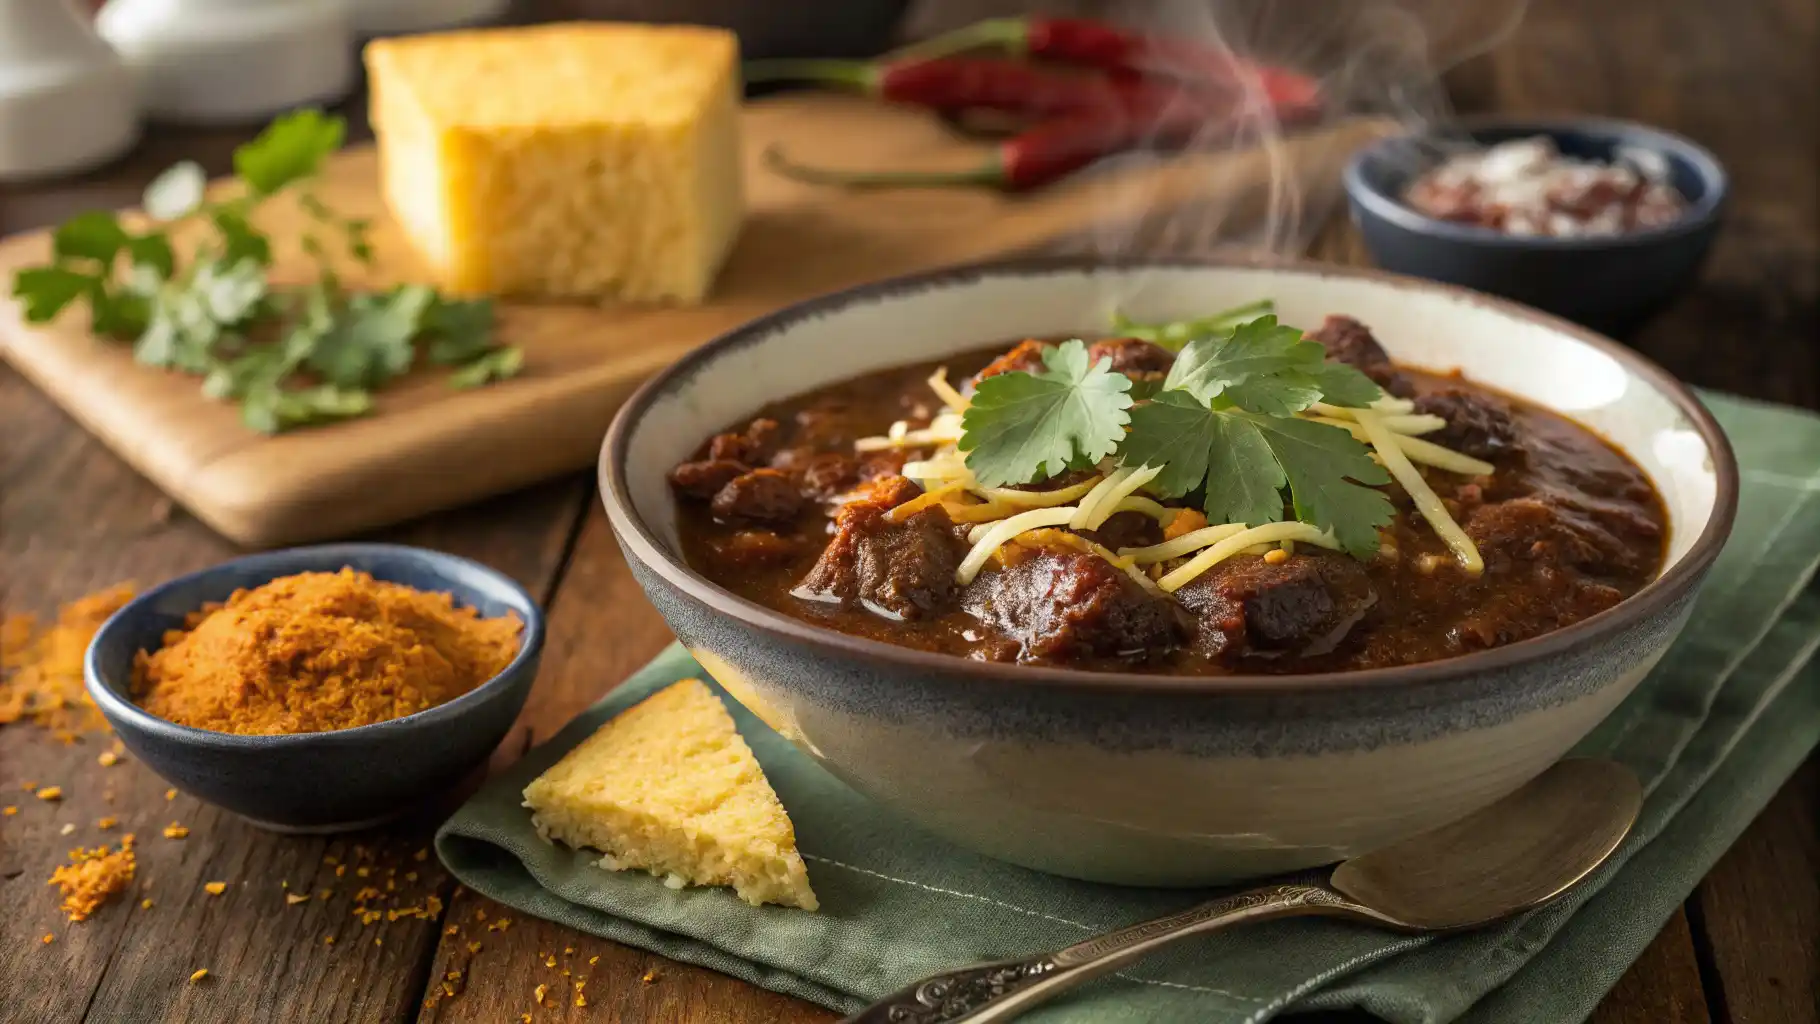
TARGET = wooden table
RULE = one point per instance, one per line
(1737, 76)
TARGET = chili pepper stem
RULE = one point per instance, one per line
(1009, 34)
(992, 172)
(853, 74)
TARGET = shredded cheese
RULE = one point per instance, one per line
(986, 538)
(1163, 514)
(1417, 450)
(1422, 423)
(1426, 500)
(938, 382)
(1038, 499)
(1187, 543)
(1100, 490)
(1388, 405)
(947, 465)
(944, 429)
(1080, 543)
(1113, 496)
(1269, 533)
(899, 513)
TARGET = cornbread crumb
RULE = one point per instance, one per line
(51, 793)
(49, 938)
(668, 786)
(594, 960)
(421, 855)
(9, 810)
(328, 940)
(68, 827)
(108, 759)
(291, 899)
(538, 994)
(170, 794)
(650, 976)
(145, 904)
(175, 831)
(215, 888)
(473, 947)
(199, 975)
(93, 877)
(106, 823)
(564, 161)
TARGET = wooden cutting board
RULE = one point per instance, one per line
(428, 446)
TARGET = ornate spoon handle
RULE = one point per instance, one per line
(1003, 989)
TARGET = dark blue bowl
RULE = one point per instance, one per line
(326, 781)
(1609, 284)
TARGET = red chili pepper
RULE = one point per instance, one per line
(1109, 48)
(1028, 160)
(954, 84)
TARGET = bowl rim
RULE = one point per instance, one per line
(1392, 209)
(113, 704)
(641, 544)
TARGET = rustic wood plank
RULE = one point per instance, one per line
(1759, 910)
(1662, 987)
(73, 519)
(601, 630)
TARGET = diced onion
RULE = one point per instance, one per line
(1186, 543)
(1108, 501)
(987, 538)
(938, 382)
(1426, 500)
(1269, 533)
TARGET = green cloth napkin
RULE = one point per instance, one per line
(1713, 733)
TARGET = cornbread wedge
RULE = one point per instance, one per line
(564, 161)
(669, 786)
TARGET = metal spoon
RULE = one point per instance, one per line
(1512, 856)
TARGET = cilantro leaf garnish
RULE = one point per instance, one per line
(1022, 427)
(1265, 367)
(290, 355)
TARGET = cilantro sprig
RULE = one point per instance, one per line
(1223, 425)
(1023, 427)
(290, 355)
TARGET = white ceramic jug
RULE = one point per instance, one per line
(390, 17)
(66, 102)
(228, 61)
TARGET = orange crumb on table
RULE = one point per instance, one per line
(594, 960)
(328, 940)
(68, 827)
(145, 904)
(48, 938)
(538, 993)
(9, 810)
(215, 888)
(170, 794)
(473, 947)
(321, 651)
(549, 961)
(93, 877)
(41, 672)
(292, 899)
(107, 758)
(175, 831)
(323, 894)
(106, 823)
(421, 855)
(51, 793)
(199, 975)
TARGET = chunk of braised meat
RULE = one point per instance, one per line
(903, 569)
(1304, 605)
(1350, 342)
(764, 494)
(1131, 357)
(1478, 424)
(1128, 530)
(754, 447)
(755, 547)
(1062, 604)
(705, 477)
(1594, 537)
(886, 491)
(827, 474)
(1025, 356)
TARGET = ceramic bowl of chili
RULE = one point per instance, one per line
(1116, 774)
(318, 781)
(1611, 283)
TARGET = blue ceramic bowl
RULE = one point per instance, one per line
(326, 781)
(1609, 284)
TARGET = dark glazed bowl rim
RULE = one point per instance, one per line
(301, 559)
(642, 544)
(1392, 209)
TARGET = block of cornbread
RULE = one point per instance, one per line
(668, 786)
(567, 161)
